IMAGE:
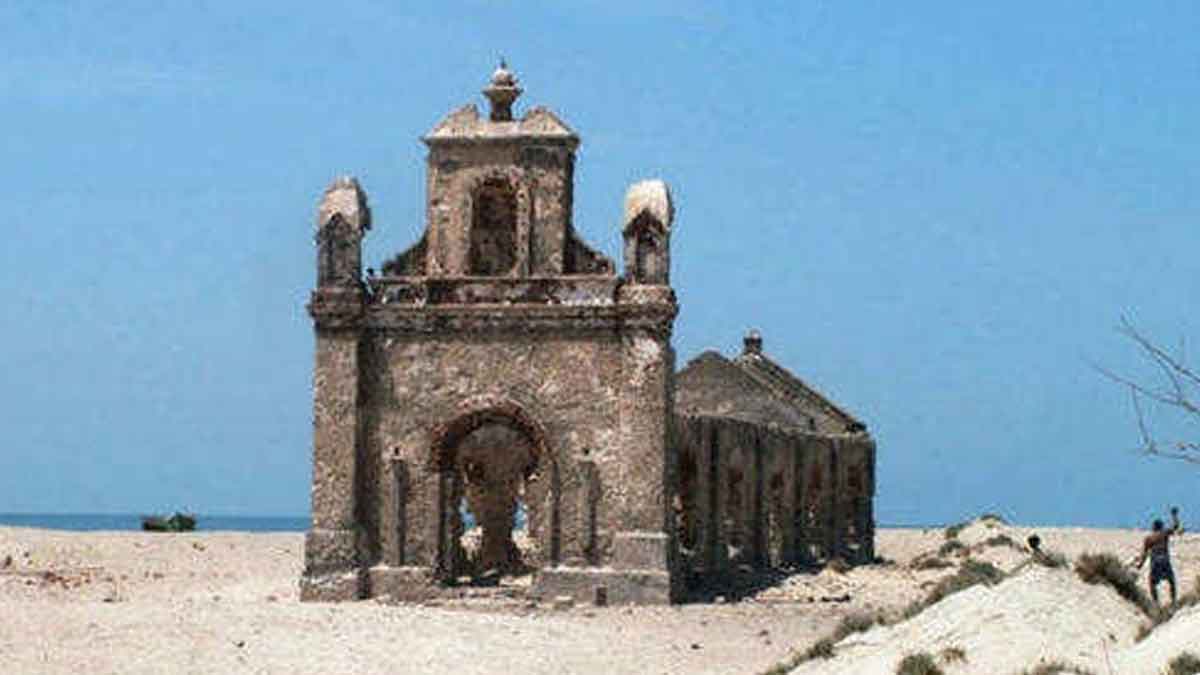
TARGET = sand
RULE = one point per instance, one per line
(1039, 615)
(134, 602)
(1182, 633)
(1035, 616)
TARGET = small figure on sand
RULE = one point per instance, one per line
(1156, 546)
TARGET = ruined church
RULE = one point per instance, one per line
(501, 370)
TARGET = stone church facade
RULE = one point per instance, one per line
(503, 367)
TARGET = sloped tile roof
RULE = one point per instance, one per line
(753, 388)
(786, 385)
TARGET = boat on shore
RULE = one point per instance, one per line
(176, 522)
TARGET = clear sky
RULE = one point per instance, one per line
(935, 212)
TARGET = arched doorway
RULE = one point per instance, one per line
(498, 496)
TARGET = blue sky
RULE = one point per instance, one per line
(935, 212)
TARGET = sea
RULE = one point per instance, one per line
(89, 522)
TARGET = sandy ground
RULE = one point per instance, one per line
(132, 602)
(1035, 616)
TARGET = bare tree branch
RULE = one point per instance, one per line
(1179, 390)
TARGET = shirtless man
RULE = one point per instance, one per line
(1155, 546)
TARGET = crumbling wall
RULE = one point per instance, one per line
(763, 496)
(421, 384)
(498, 356)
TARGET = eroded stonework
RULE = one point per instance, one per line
(501, 367)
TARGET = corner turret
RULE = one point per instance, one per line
(342, 220)
(646, 228)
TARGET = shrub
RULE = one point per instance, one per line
(1002, 540)
(953, 655)
(951, 546)
(996, 517)
(855, 622)
(953, 530)
(971, 573)
(823, 649)
(783, 667)
(1056, 668)
(1104, 568)
(1051, 559)
(920, 663)
(930, 563)
(1186, 663)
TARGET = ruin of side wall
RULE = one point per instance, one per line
(763, 496)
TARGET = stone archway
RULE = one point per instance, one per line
(493, 461)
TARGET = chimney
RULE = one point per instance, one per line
(752, 343)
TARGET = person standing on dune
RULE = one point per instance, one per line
(1156, 546)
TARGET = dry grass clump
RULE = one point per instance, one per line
(823, 649)
(1186, 663)
(953, 655)
(952, 531)
(930, 562)
(920, 663)
(854, 622)
(951, 546)
(1003, 540)
(989, 519)
(1056, 668)
(1051, 559)
(1104, 568)
(784, 667)
(971, 573)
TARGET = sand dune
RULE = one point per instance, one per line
(132, 602)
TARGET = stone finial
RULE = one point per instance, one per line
(652, 197)
(646, 229)
(752, 343)
(345, 198)
(502, 92)
(342, 219)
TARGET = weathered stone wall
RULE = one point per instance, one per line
(416, 385)
(331, 552)
(540, 175)
(332, 543)
(767, 496)
(500, 356)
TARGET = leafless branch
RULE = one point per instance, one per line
(1177, 390)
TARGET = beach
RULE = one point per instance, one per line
(225, 602)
